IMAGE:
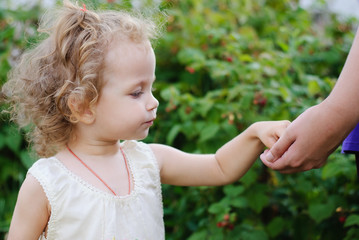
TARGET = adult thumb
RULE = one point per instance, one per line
(279, 148)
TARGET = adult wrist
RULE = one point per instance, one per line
(342, 117)
(345, 112)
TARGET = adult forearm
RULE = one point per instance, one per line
(344, 98)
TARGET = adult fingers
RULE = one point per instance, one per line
(279, 165)
(281, 131)
(279, 148)
(278, 133)
(293, 161)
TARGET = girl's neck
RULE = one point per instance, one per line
(95, 147)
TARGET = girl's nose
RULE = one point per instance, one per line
(153, 103)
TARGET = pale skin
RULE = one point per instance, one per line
(126, 110)
(316, 133)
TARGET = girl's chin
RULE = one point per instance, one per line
(137, 138)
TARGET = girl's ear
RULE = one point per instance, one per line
(80, 112)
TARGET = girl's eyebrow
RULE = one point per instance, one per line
(143, 82)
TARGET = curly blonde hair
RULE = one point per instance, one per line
(68, 62)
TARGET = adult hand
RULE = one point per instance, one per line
(308, 141)
(317, 132)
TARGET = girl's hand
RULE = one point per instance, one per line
(269, 132)
(228, 164)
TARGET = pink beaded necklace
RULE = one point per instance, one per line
(98, 177)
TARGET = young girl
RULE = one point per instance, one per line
(84, 88)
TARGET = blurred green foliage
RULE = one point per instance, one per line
(222, 65)
(17, 31)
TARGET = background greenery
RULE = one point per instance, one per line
(222, 65)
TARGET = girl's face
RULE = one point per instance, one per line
(126, 108)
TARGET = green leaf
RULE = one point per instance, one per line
(220, 207)
(353, 233)
(249, 178)
(246, 100)
(170, 93)
(172, 134)
(331, 169)
(285, 93)
(13, 139)
(233, 191)
(352, 220)
(245, 58)
(320, 211)
(276, 226)
(2, 140)
(208, 132)
(188, 56)
(257, 198)
(340, 165)
(198, 235)
(239, 202)
(205, 106)
(313, 87)
(254, 235)
(26, 159)
(283, 46)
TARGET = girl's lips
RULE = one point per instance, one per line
(150, 122)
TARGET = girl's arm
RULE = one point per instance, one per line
(229, 163)
(31, 213)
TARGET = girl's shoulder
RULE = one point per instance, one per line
(134, 145)
(141, 158)
(50, 173)
(44, 164)
(138, 150)
(44, 161)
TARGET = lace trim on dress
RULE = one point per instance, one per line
(39, 176)
(87, 186)
(158, 175)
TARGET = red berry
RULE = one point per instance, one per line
(229, 59)
(220, 224)
(204, 47)
(259, 99)
(190, 70)
(342, 219)
(188, 110)
(230, 226)
(263, 102)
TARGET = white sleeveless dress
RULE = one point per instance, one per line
(81, 211)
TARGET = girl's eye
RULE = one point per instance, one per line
(137, 94)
